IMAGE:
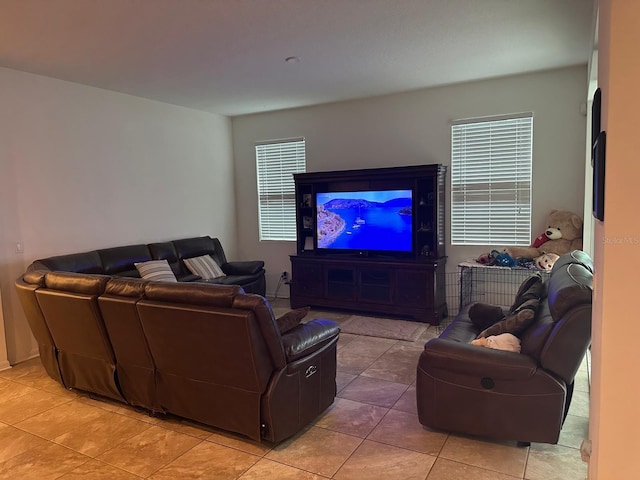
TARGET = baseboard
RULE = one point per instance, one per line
(32, 354)
(5, 365)
(271, 296)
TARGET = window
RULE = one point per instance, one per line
(491, 180)
(276, 162)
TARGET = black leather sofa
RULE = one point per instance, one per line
(119, 261)
(505, 395)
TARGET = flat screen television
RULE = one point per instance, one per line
(365, 222)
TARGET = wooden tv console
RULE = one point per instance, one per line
(413, 285)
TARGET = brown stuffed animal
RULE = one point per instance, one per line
(564, 231)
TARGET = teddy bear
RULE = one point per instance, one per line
(563, 232)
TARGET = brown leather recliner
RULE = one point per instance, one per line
(505, 395)
(86, 360)
(221, 360)
(136, 368)
(26, 287)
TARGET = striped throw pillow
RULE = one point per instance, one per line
(204, 266)
(156, 270)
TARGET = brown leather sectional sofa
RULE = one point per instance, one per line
(505, 395)
(210, 353)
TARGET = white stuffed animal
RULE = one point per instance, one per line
(546, 261)
(504, 341)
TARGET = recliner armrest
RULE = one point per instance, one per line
(306, 338)
(242, 268)
(473, 360)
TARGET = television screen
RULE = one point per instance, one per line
(373, 220)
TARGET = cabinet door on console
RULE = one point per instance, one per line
(341, 283)
(414, 288)
(376, 285)
(307, 278)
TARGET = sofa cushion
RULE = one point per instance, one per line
(484, 315)
(462, 329)
(236, 279)
(516, 322)
(156, 270)
(189, 277)
(250, 267)
(204, 266)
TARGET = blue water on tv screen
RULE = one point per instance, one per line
(366, 221)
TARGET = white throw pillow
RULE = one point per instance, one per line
(204, 266)
(156, 270)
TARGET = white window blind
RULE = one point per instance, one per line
(491, 181)
(276, 162)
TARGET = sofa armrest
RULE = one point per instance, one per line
(242, 268)
(476, 361)
(306, 338)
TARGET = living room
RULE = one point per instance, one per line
(87, 168)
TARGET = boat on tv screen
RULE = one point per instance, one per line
(379, 220)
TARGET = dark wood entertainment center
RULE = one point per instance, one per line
(405, 284)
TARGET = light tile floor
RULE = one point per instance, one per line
(371, 432)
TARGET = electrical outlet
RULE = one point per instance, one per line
(284, 276)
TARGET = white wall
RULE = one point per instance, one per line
(83, 168)
(615, 390)
(414, 128)
(4, 359)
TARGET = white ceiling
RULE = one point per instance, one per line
(227, 56)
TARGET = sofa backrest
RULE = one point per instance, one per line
(69, 304)
(575, 256)
(136, 369)
(198, 246)
(121, 260)
(176, 251)
(261, 310)
(212, 359)
(562, 332)
(26, 287)
(166, 251)
(86, 262)
(204, 324)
